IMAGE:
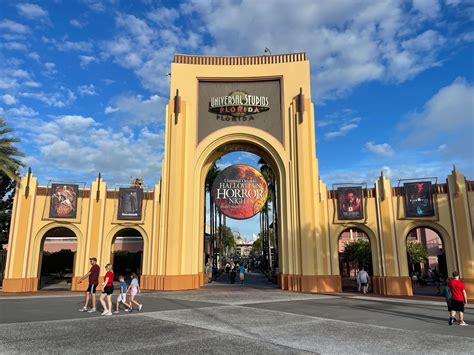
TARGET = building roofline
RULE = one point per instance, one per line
(239, 60)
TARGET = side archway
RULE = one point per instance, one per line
(428, 275)
(107, 251)
(34, 265)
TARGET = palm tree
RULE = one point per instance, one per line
(269, 176)
(210, 177)
(9, 154)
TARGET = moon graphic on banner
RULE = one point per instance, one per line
(240, 191)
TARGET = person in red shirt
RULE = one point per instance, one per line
(93, 276)
(108, 285)
(458, 299)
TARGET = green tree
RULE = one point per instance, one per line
(417, 252)
(357, 254)
(7, 191)
(257, 247)
(9, 154)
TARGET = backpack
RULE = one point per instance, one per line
(447, 293)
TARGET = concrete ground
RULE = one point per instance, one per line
(234, 319)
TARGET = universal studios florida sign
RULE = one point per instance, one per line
(239, 105)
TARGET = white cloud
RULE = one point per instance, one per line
(147, 50)
(31, 11)
(17, 46)
(342, 131)
(50, 68)
(138, 110)
(428, 8)
(65, 45)
(348, 42)
(80, 145)
(451, 109)
(382, 150)
(77, 23)
(86, 60)
(21, 111)
(86, 90)
(34, 56)
(60, 99)
(8, 99)
(13, 26)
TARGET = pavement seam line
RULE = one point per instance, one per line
(227, 333)
(354, 323)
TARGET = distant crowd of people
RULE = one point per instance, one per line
(108, 289)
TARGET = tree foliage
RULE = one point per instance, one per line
(417, 252)
(7, 191)
(358, 253)
(58, 263)
(9, 154)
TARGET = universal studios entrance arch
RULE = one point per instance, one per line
(259, 104)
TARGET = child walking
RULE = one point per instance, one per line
(122, 297)
(134, 289)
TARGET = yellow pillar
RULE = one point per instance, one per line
(391, 282)
(462, 229)
(16, 273)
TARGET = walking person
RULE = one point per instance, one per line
(93, 276)
(122, 297)
(242, 274)
(458, 299)
(108, 289)
(227, 271)
(134, 289)
(363, 280)
(449, 297)
(233, 273)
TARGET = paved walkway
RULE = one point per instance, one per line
(229, 320)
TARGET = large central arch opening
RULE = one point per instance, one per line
(57, 259)
(232, 243)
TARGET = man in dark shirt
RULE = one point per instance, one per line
(93, 276)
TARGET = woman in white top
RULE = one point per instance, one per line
(134, 289)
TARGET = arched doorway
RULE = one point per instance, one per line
(427, 263)
(251, 242)
(57, 259)
(127, 252)
(354, 254)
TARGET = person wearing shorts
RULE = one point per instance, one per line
(93, 276)
(107, 291)
(122, 297)
(458, 299)
(134, 289)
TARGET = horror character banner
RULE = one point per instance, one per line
(240, 191)
(130, 203)
(244, 103)
(63, 201)
(419, 199)
(349, 203)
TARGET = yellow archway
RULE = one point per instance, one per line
(374, 246)
(210, 150)
(446, 239)
(33, 265)
(108, 241)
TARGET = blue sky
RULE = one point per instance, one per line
(84, 83)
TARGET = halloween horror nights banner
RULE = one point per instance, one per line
(349, 203)
(130, 203)
(419, 199)
(240, 191)
(63, 200)
(245, 103)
